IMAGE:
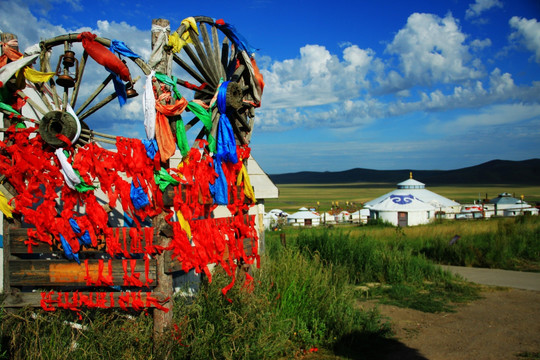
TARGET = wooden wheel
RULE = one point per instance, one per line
(59, 105)
(215, 54)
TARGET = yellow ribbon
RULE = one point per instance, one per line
(5, 207)
(248, 189)
(184, 223)
(37, 76)
(178, 42)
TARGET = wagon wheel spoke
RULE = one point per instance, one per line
(36, 108)
(199, 65)
(201, 88)
(217, 53)
(191, 123)
(205, 59)
(95, 94)
(248, 134)
(82, 65)
(98, 106)
(211, 55)
(237, 75)
(225, 47)
(189, 69)
(237, 132)
(242, 119)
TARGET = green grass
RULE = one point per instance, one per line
(294, 196)
(305, 294)
(405, 277)
(504, 243)
(297, 302)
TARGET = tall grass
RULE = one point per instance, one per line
(507, 243)
(503, 243)
(297, 302)
(405, 277)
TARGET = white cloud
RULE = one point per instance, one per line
(528, 31)
(496, 115)
(432, 49)
(317, 77)
(480, 6)
(480, 44)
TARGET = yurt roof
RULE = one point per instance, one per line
(504, 199)
(304, 213)
(405, 202)
(418, 190)
(411, 184)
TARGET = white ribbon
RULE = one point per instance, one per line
(72, 113)
(67, 171)
(8, 70)
(161, 41)
(149, 107)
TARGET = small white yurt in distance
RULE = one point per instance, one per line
(410, 204)
(507, 205)
(304, 217)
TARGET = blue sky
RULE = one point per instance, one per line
(351, 84)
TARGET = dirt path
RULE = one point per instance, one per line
(504, 324)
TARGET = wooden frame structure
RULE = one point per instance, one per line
(38, 274)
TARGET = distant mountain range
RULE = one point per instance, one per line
(526, 172)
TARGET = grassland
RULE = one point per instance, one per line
(294, 196)
(305, 294)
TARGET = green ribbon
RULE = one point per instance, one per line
(171, 82)
(206, 117)
(181, 137)
(8, 108)
(164, 179)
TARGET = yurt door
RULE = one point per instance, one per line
(402, 219)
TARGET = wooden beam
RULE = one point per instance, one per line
(40, 273)
(18, 299)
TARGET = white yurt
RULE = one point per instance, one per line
(328, 218)
(360, 216)
(304, 217)
(410, 204)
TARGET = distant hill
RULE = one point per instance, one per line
(526, 172)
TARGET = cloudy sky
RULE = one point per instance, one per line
(351, 84)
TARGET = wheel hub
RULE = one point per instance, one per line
(57, 123)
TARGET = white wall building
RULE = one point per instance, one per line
(410, 204)
(507, 205)
(304, 217)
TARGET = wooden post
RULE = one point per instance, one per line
(162, 319)
(5, 37)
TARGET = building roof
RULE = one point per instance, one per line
(411, 184)
(263, 187)
(304, 213)
(505, 199)
(414, 195)
(406, 202)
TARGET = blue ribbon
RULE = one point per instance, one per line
(240, 42)
(226, 144)
(121, 48)
(69, 251)
(84, 239)
(219, 189)
(138, 196)
(119, 86)
(151, 147)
